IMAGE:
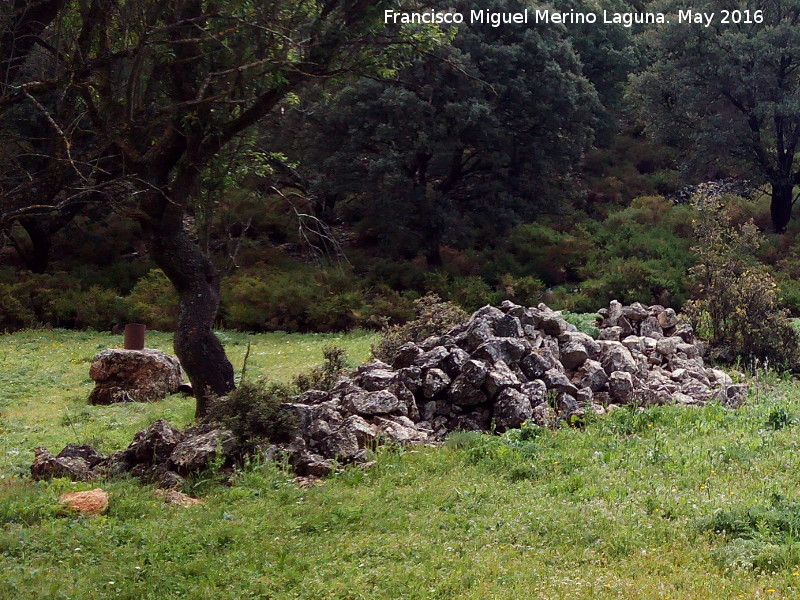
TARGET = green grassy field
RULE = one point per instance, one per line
(669, 503)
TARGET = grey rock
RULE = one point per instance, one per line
(498, 378)
(696, 390)
(407, 355)
(464, 393)
(535, 391)
(374, 376)
(341, 445)
(432, 358)
(613, 333)
(686, 333)
(591, 375)
(411, 377)
(667, 319)
(567, 405)
(153, 444)
(195, 453)
(478, 332)
(557, 380)
(616, 357)
(83, 451)
(573, 355)
(585, 397)
(535, 364)
(651, 328)
(689, 350)
(621, 386)
(668, 346)
(382, 402)
(719, 377)
(474, 373)
(133, 376)
(46, 466)
(398, 432)
(613, 314)
(506, 349)
(454, 362)
(436, 381)
(553, 324)
(635, 312)
(634, 342)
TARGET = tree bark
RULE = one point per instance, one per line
(781, 206)
(39, 256)
(197, 282)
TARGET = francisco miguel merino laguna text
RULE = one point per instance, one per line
(496, 19)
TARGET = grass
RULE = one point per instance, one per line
(669, 503)
(44, 384)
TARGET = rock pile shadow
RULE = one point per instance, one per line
(505, 366)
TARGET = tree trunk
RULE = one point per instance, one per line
(197, 283)
(781, 206)
(39, 256)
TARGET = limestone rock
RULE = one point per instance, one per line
(573, 355)
(557, 380)
(133, 376)
(177, 498)
(382, 402)
(436, 381)
(46, 466)
(512, 409)
(616, 357)
(196, 452)
(621, 386)
(591, 375)
(153, 444)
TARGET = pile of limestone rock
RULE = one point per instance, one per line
(505, 366)
(712, 189)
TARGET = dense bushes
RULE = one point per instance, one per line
(308, 299)
(251, 412)
(432, 316)
(575, 262)
(736, 303)
(56, 300)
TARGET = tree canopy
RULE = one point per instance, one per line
(732, 91)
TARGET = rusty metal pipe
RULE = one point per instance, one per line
(134, 336)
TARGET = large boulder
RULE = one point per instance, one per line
(133, 376)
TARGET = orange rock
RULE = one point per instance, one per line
(93, 502)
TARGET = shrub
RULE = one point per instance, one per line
(13, 313)
(252, 413)
(154, 302)
(584, 322)
(736, 302)
(99, 308)
(389, 307)
(324, 376)
(526, 291)
(432, 317)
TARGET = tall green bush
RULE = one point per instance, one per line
(736, 302)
